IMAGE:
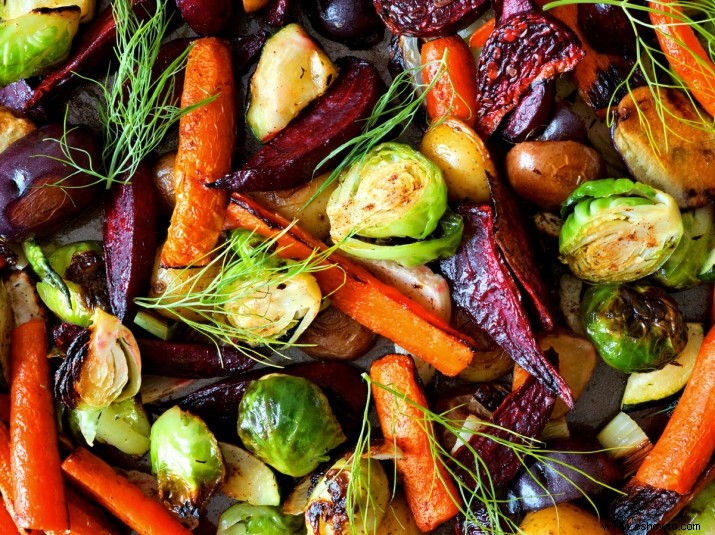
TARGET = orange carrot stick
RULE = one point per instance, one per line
(86, 518)
(121, 498)
(430, 491)
(206, 139)
(685, 447)
(685, 54)
(38, 492)
(454, 94)
(357, 293)
(7, 524)
(479, 38)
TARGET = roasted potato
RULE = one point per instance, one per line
(681, 164)
(12, 127)
(564, 519)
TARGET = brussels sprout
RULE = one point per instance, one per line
(245, 519)
(102, 365)
(392, 192)
(287, 422)
(363, 488)
(635, 328)
(32, 42)
(186, 460)
(681, 270)
(618, 230)
(71, 300)
(124, 425)
(16, 8)
(442, 244)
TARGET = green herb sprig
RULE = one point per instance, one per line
(135, 106)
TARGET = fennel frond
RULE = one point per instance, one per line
(135, 104)
(239, 269)
(652, 66)
(476, 487)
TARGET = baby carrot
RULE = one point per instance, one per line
(38, 487)
(206, 139)
(430, 491)
(123, 499)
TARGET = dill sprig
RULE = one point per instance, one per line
(241, 268)
(135, 106)
(652, 66)
(476, 486)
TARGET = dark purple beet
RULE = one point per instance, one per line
(564, 125)
(352, 22)
(39, 193)
(428, 19)
(532, 113)
(206, 16)
(607, 29)
(193, 361)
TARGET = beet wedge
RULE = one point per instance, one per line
(508, 66)
(130, 228)
(357, 293)
(190, 360)
(428, 19)
(291, 158)
(483, 287)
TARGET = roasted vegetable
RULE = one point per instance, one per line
(354, 23)
(287, 422)
(291, 158)
(34, 41)
(123, 424)
(206, 16)
(16, 8)
(565, 519)
(246, 519)
(334, 335)
(38, 192)
(699, 512)
(186, 460)
(528, 119)
(12, 127)
(102, 365)
(292, 72)
(635, 328)
(678, 159)
(617, 230)
(328, 511)
(196, 361)
(413, 17)
(248, 479)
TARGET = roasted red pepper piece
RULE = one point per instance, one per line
(525, 413)
(483, 287)
(525, 47)
(95, 47)
(291, 157)
(428, 19)
(192, 361)
(130, 228)
(512, 236)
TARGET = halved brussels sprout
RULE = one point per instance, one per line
(187, 461)
(441, 244)
(287, 422)
(392, 192)
(246, 519)
(635, 328)
(348, 499)
(31, 43)
(124, 425)
(681, 270)
(102, 365)
(618, 230)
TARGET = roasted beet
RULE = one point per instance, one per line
(564, 125)
(277, 14)
(483, 287)
(38, 192)
(290, 158)
(246, 49)
(530, 116)
(130, 227)
(192, 361)
(428, 19)
(353, 22)
(17, 96)
(206, 16)
(508, 65)
(607, 29)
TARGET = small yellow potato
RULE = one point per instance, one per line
(291, 204)
(562, 519)
(12, 127)
(463, 158)
(546, 172)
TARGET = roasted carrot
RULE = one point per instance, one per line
(479, 38)
(87, 518)
(685, 54)
(685, 447)
(123, 499)
(357, 293)
(454, 94)
(7, 524)
(206, 139)
(38, 487)
(430, 491)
